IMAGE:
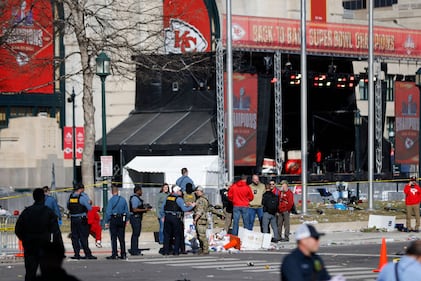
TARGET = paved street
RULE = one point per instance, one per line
(355, 262)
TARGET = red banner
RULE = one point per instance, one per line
(407, 110)
(187, 26)
(80, 141)
(323, 38)
(68, 142)
(318, 10)
(26, 56)
(245, 118)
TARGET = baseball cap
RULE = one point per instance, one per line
(413, 178)
(306, 231)
(176, 188)
(199, 188)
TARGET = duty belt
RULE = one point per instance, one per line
(173, 213)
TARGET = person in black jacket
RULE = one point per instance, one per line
(35, 227)
(270, 207)
(227, 205)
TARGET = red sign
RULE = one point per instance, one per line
(245, 118)
(80, 141)
(323, 38)
(27, 53)
(407, 110)
(318, 10)
(68, 142)
(187, 26)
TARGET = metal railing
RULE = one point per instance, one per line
(8, 241)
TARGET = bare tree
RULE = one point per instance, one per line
(122, 29)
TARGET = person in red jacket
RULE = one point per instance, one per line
(240, 195)
(286, 201)
(412, 201)
(94, 221)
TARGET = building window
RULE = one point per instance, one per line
(390, 90)
(363, 87)
(3, 117)
(362, 4)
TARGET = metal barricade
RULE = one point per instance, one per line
(8, 240)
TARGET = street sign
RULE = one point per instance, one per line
(106, 166)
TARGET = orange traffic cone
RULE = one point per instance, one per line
(383, 256)
(20, 246)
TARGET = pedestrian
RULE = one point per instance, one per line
(116, 216)
(256, 207)
(189, 195)
(303, 264)
(78, 205)
(184, 179)
(227, 207)
(160, 199)
(51, 264)
(412, 201)
(270, 207)
(36, 226)
(286, 202)
(94, 222)
(408, 267)
(240, 195)
(200, 220)
(174, 207)
(137, 209)
(51, 203)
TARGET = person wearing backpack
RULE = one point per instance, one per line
(270, 207)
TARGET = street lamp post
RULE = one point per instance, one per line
(418, 84)
(72, 100)
(103, 70)
(357, 123)
(392, 149)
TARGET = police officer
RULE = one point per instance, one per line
(34, 228)
(303, 263)
(51, 203)
(78, 206)
(137, 209)
(201, 220)
(115, 217)
(174, 207)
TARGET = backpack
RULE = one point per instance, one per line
(271, 205)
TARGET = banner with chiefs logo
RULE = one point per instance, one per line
(26, 54)
(334, 39)
(245, 118)
(186, 26)
(407, 110)
(68, 142)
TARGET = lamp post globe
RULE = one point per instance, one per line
(103, 63)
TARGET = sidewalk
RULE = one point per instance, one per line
(348, 233)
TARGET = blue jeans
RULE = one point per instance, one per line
(161, 230)
(252, 216)
(244, 213)
(270, 219)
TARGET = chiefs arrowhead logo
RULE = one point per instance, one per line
(237, 32)
(181, 37)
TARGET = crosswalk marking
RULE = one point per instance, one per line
(222, 263)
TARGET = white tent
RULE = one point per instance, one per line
(203, 169)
